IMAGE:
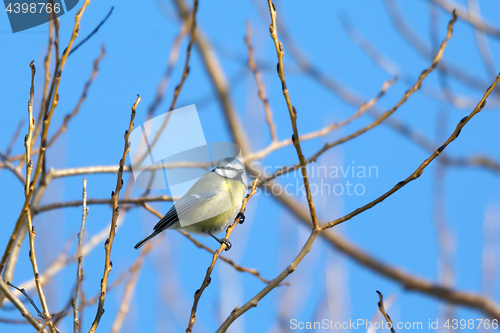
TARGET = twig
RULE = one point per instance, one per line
(216, 74)
(208, 279)
(79, 269)
(481, 39)
(93, 32)
(260, 85)
(4, 288)
(178, 88)
(9, 166)
(473, 20)
(238, 311)
(382, 310)
(406, 280)
(324, 131)
(421, 47)
(292, 112)
(129, 288)
(31, 229)
(69, 116)
(53, 29)
(14, 137)
(25, 294)
(46, 123)
(393, 69)
(253, 302)
(237, 267)
(109, 242)
(380, 119)
(418, 172)
(77, 203)
(172, 60)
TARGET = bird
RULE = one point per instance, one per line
(210, 205)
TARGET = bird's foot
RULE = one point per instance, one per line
(227, 242)
(241, 216)
(222, 241)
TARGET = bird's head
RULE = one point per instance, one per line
(230, 168)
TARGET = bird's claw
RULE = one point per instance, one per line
(241, 216)
(227, 242)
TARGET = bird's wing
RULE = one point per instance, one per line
(181, 207)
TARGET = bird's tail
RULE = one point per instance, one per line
(145, 240)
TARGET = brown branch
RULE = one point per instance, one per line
(238, 311)
(14, 138)
(380, 119)
(53, 29)
(473, 20)
(45, 128)
(292, 112)
(418, 172)
(223, 246)
(31, 229)
(172, 60)
(260, 85)
(481, 39)
(178, 88)
(405, 279)
(75, 111)
(69, 116)
(393, 69)
(9, 166)
(237, 267)
(411, 37)
(253, 302)
(109, 242)
(77, 203)
(130, 286)
(219, 81)
(324, 131)
(382, 310)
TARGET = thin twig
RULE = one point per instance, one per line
(292, 112)
(79, 269)
(172, 60)
(178, 88)
(382, 310)
(473, 20)
(380, 119)
(25, 294)
(223, 246)
(260, 85)
(420, 46)
(404, 279)
(31, 229)
(129, 288)
(77, 203)
(4, 288)
(93, 32)
(69, 116)
(237, 267)
(418, 172)
(46, 123)
(324, 131)
(481, 39)
(112, 230)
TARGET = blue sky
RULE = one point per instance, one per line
(400, 231)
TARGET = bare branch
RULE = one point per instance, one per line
(79, 253)
(223, 246)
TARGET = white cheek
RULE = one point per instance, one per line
(226, 173)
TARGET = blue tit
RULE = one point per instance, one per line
(210, 205)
